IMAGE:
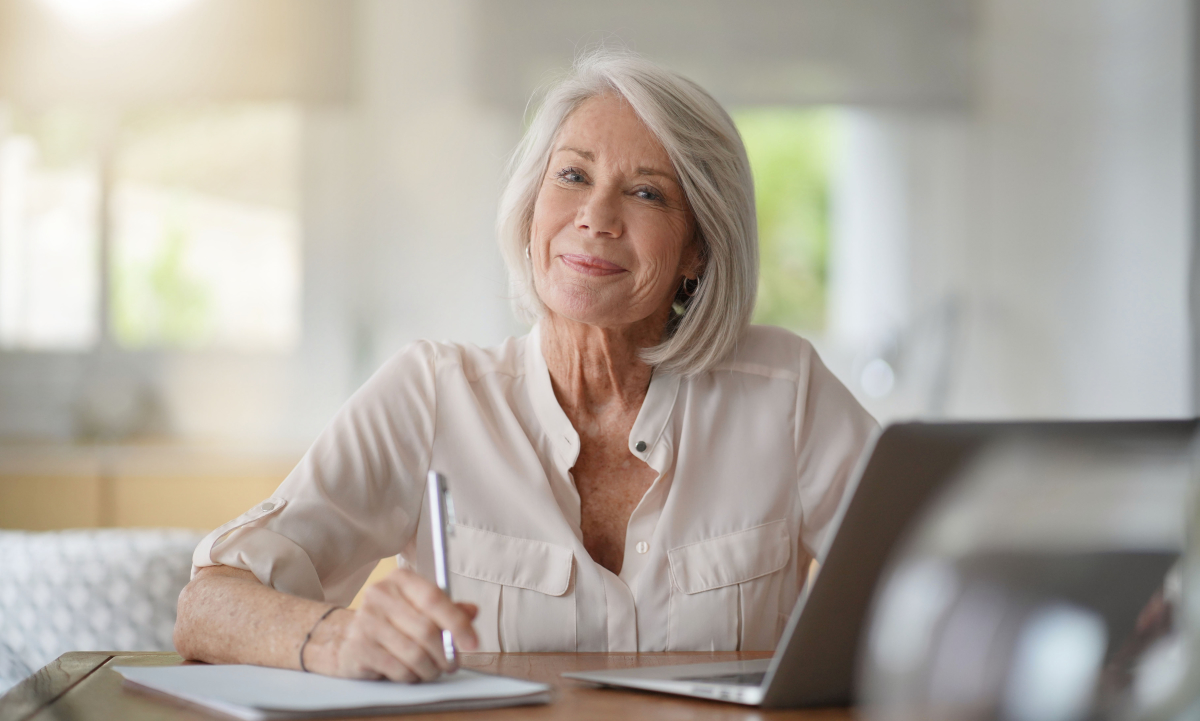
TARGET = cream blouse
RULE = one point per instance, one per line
(752, 457)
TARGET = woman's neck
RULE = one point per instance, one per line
(596, 371)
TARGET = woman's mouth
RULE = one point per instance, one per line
(590, 264)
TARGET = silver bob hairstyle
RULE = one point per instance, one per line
(710, 161)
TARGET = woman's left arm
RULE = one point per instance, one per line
(832, 430)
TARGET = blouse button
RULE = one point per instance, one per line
(642, 547)
(268, 506)
(641, 446)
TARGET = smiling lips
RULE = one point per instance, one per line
(590, 264)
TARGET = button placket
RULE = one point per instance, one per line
(644, 520)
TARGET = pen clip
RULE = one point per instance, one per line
(450, 522)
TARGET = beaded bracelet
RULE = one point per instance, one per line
(308, 636)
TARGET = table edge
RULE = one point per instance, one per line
(26, 699)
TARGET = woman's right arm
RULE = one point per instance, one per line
(226, 616)
(261, 582)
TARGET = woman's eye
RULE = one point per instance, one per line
(648, 194)
(570, 175)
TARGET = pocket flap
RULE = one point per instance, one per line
(733, 558)
(511, 561)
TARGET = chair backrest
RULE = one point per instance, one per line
(88, 590)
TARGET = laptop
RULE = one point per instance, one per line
(905, 468)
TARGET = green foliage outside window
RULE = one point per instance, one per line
(159, 303)
(205, 208)
(789, 151)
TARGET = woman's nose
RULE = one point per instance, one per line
(600, 215)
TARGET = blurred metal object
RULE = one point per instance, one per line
(1040, 588)
(1167, 683)
(117, 400)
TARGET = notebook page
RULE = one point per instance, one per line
(255, 692)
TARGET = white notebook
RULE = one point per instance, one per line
(256, 692)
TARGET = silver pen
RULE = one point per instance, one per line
(441, 519)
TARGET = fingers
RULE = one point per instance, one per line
(379, 662)
(375, 648)
(413, 656)
(397, 634)
(405, 624)
(428, 599)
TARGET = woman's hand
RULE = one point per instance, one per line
(396, 634)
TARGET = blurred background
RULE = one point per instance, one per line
(218, 217)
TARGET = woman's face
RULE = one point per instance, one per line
(612, 237)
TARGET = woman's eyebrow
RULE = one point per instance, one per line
(660, 173)
(583, 153)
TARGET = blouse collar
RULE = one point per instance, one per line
(647, 428)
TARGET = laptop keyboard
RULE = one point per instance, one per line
(733, 679)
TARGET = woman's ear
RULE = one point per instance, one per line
(693, 260)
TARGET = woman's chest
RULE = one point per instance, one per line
(703, 522)
(611, 482)
(703, 558)
(704, 470)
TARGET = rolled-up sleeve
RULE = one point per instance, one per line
(353, 499)
(832, 430)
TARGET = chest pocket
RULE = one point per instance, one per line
(524, 589)
(726, 592)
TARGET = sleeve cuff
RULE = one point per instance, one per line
(275, 560)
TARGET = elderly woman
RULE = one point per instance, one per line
(643, 471)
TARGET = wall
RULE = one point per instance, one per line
(1033, 156)
(1028, 257)
(1079, 259)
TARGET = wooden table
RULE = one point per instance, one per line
(83, 686)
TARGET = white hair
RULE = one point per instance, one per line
(710, 160)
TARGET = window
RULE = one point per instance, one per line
(202, 226)
(205, 230)
(49, 228)
(789, 151)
